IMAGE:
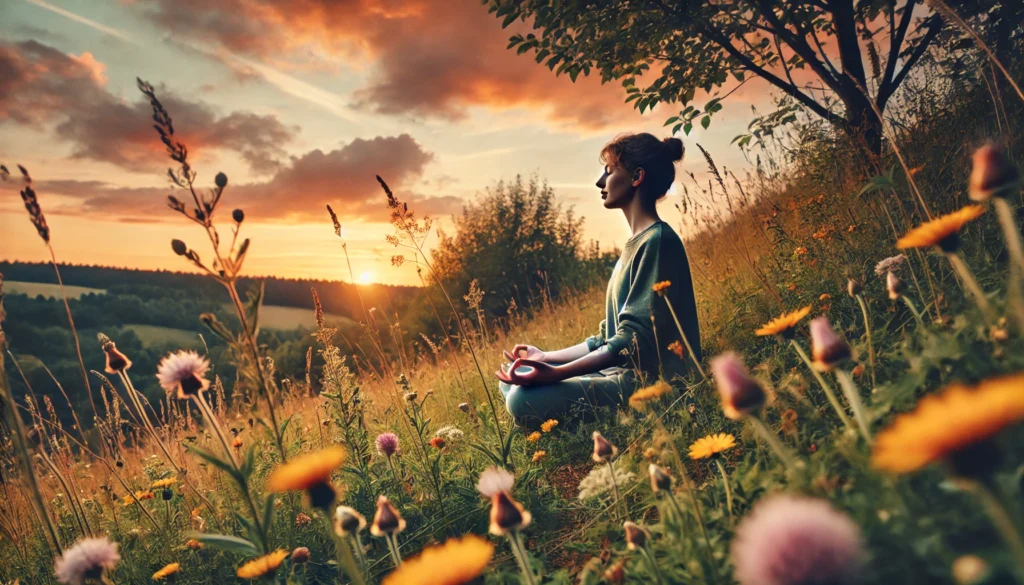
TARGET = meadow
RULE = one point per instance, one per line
(855, 419)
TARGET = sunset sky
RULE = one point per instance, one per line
(301, 103)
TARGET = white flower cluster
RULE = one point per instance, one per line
(599, 481)
(450, 434)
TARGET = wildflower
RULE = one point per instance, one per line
(183, 372)
(970, 570)
(534, 437)
(302, 519)
(387, 444)
(450, 434)
(853, 287)
(890, 264)
(824, 297)
(660, 479)
(538, 455)
(264, 565)
(166, 571)
(790, 540)
(179, 247)
(300, 556)
(992, 174)
(711, 445)
(310, 472)
(163, 483)
(661, 287)
(827, 348)
(348, 520)
(616, 573)
(894, 286)
(943, 232)
(953, 425)
(456, 562)
(601, 481)
(603, 450)
(800, 251)
(657, 390)
(437, 443)
(676, 348)
(410, 396)
(789, 417)
(464, 406)
(221, 180)
(116, 361)
(741, 394)
(88, 559)
(549, 425)
(506, 514)
(636, 535)
(194, 544)
(238, 215)
(784, 324)
(387, 520)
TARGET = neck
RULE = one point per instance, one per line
(640, 217)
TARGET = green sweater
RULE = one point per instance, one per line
(654, 255)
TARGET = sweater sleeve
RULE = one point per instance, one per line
(635, 317)
(596, 341)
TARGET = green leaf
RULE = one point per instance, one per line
(487, 452)
(671, 121)
(227, 543)
(687, 127)
(268, 513)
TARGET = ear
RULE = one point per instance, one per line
(638, 177)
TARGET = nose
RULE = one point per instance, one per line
(602, 182)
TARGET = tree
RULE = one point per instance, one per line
(700, 44)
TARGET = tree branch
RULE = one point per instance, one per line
(799, 45)
(886, 90)
(896, 42)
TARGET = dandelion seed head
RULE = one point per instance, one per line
(495, 480)
(87, 559)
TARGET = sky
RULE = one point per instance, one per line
(301, 103)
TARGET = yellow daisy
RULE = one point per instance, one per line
(534, 437)
(262, 566)
(652, 392)
(166, 571)
(162, 483)
(457, 561)
(538, 455)
(549, 425)
(783, 324)
(943, 231)
(949, 422)
(306, 471)
(711, 445)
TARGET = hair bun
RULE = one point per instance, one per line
(674, 147)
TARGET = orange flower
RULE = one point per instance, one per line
(456, 562)
(237, 443)
(306, 471)
(166, 571)
(437, 443)
(783, 324)
(943, 232)
(262, 566)
(676, 348)
(661, 287)
(711, 445)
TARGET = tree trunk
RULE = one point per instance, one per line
(862, 124)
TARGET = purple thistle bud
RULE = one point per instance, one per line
(387, 444)
(790, 540)
(827, 348)
(741, 394)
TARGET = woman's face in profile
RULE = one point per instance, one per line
(616, 186)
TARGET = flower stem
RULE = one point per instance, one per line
(725, 482)
(998, 510)
(519, 550)
(345, 559)
(829, 393)
(396, 555)
(651, 565)
(773, 442)
(1011, 234)
(689, 347)
(914, 311)
(971, 283)
(867, 330)
(853, 397)
(615, 488)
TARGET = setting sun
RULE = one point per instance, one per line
(366, 277)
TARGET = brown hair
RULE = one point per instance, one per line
(644, 151)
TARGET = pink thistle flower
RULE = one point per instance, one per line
(827, 348)
(387, 444)
(741, 395)
(790, 540)
(183, 372)
(89, 558)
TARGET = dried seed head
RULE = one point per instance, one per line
(348, 520)
(116, 361)
(221, 180)
(603, 450)
(660, 479)
(464, 406)
(238, 215)
(300, 555)
(853, 287)
(636, 535)
(387, 520)
(992, 174)
(179, 247)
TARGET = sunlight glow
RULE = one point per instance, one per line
(366, 277)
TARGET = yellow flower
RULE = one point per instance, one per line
(549, 425)
(660, 287)
(166, 571)
(534, 437)
(306, 471)
(128, 500)
(263, 565)
(457, 561)
(949, 422)
(943, 231)
(194, 544)
(162, 483)
(783, 324)
(657, 390)
(538, 455)
(711, 445)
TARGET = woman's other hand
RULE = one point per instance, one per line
(527, 352)
(525, 372)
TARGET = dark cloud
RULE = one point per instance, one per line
(43, 87)
(299, 191)
(430, 58)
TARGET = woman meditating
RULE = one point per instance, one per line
(638, 341)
